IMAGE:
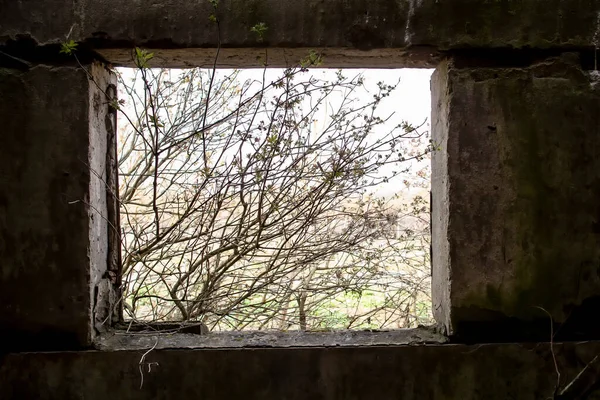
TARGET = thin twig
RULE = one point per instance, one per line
(141, 363)
(557, 385)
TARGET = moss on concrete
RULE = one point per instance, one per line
(553, 168)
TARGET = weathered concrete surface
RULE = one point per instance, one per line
(119, 340)
(444, 372)
(333, 24)
(53, 227)
(516, 221)
(254, 57)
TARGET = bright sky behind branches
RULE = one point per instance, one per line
(410, 102)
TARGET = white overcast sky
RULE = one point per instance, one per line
(411, 101)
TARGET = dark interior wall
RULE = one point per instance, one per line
(436, 372)
(349, 33)
(53, 225)
(516, 187)
(514, 218)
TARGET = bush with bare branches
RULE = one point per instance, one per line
(240, 211)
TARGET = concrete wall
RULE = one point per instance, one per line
(53, 220)
(491, 372)
(397, 33)
(514, 212)
(515, 190)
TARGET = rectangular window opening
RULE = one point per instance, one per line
(275, 199)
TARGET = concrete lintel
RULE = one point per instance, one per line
(436, 372)
(259, 57)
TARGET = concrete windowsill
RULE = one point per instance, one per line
(122, 340)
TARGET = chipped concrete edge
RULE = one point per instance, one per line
(120, 340)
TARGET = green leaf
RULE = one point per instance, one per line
(68, 47)
(142, 57)
(260, 29)
(313, 59)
